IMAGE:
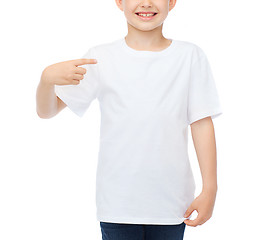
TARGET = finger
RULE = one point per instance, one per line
(189, 211)
(83, 61)
(192, 223)
(80, 70)
(75, 82)
(78, 77)
(197, 221)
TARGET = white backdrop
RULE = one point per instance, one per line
(48, 166)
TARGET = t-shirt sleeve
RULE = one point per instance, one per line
(203, 98)
(79, 97)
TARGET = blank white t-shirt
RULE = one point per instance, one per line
(147, 100)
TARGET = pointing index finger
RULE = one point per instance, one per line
(83, 61)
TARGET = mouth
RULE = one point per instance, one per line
(146, 15)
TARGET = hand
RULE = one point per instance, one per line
(65, 73)
(204, 205)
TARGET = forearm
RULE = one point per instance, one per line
(205, 145)
(46, 99)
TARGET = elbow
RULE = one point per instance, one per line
(43, 116)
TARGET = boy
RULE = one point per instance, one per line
(149, 89)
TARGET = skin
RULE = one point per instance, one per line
(148, 36)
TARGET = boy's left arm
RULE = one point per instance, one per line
(203, 135)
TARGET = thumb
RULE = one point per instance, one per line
(190, 209)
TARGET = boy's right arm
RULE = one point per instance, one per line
(63, 73)
(48, 103)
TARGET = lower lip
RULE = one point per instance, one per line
(146, 18)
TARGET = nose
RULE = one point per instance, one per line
(146, 3)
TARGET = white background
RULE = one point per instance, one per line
(48, 166)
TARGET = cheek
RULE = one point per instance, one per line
(163, 15)
(128, 14)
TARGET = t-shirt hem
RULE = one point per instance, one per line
(132, 220)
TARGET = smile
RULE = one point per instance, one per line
(146, 16)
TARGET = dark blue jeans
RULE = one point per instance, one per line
(124, 231)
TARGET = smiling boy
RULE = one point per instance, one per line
(150, 89)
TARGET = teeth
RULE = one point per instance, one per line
(146, 15)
